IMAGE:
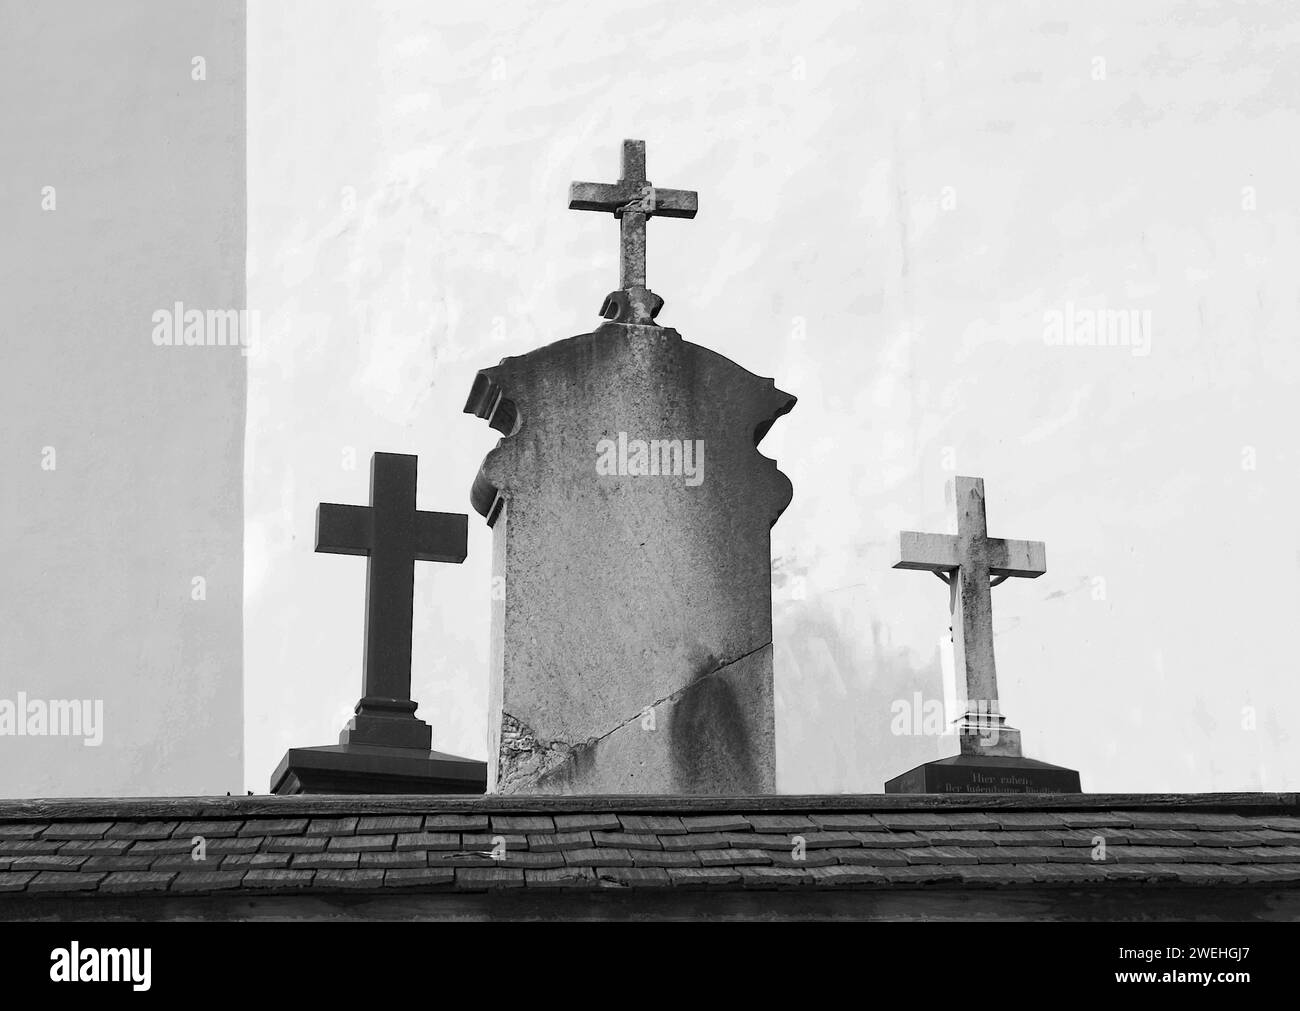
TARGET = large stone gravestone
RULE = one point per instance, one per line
(631, 514)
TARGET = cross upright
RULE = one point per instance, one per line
(393, 535)
(971, 563)
(632, 200)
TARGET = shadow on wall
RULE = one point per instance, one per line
(842, 682)
(708, 732)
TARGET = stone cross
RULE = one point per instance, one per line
(393, 535)
(632, 200)
(971, 563)
(631, 515)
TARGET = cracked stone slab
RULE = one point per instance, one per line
(632, 610)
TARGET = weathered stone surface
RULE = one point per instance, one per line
(993, 773)
(971, 563)
(967, 562)
(632, 200)
(631, 647)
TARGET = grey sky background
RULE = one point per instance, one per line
(892, 198)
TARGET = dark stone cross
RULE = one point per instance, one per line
(632, 200)
(393, 535)
(385, 748)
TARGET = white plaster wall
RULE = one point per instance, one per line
(892, 197)
(100, 553)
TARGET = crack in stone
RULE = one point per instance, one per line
(523, 755)
(723, 665)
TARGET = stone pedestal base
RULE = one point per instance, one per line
(982, 734)
(361, 768)
(985, 774)
(387, 723)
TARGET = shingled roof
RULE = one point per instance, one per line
(136, 858)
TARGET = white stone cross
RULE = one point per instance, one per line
(971, 563)
(632, 200)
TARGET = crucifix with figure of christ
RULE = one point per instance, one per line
(393, 535)
(972, 563)
(633, 199)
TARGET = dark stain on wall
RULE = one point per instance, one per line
(709, 739)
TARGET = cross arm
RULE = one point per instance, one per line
(1027, 559)
(441, 537)
(344, 529)
(597, 196)
(612, 196)
(674, 203)
(927, 552)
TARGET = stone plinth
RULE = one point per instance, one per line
(385, 748)
(987, 774)
(631, 515)
(368, 769)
